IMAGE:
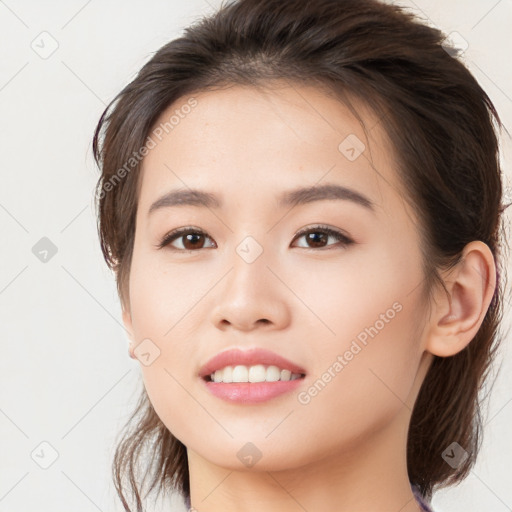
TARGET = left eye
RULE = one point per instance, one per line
(325, 232)
(193, 239)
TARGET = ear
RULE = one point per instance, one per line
(457, 318)
(127, 321)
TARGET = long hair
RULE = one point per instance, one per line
(443, 128)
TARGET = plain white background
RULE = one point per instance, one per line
(66, 379)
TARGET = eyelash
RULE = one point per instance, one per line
(177, 233)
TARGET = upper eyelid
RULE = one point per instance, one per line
(183, 231)
(179, 232)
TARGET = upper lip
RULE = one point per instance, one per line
(249, 357)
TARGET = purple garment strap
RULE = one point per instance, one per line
(419, 498)
(425, 506)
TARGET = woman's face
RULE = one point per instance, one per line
(348, 310)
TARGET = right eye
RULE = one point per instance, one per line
(192, 239)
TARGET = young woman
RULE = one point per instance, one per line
(302, 205)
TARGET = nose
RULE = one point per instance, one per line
(251, 296)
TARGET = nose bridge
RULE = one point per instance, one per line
(251, 292)
(250, 250)
(249, 266)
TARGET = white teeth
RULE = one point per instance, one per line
(286, 374)
(273, 374)
(227, 374)
(256, 373)
(240, 374)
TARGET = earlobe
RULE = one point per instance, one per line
(458, 317)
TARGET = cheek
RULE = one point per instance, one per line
(170, 306)
(360, 388)
(161, 305)
(164, 296)
(367, 358)
(366, 295)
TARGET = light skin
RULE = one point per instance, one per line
(344, 450)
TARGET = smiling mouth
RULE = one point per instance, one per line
(256, 374)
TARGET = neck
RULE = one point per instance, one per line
(371, 475)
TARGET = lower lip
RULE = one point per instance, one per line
(251, 392)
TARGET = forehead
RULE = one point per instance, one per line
(257, 141)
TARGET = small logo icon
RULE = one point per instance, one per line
(147, 352)
(45, 45)
(351, 147)
(455, 455)
(249, 249)
(44, 250)
(454, 44)
(507, 194)
(249, 455)
(44, 455)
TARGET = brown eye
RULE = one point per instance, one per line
(318, 236)
(191, 239)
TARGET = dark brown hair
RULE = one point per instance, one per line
(442, 126)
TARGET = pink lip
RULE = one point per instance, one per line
(249, 392)
(250, 357)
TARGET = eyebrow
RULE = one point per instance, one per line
(298, 196)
